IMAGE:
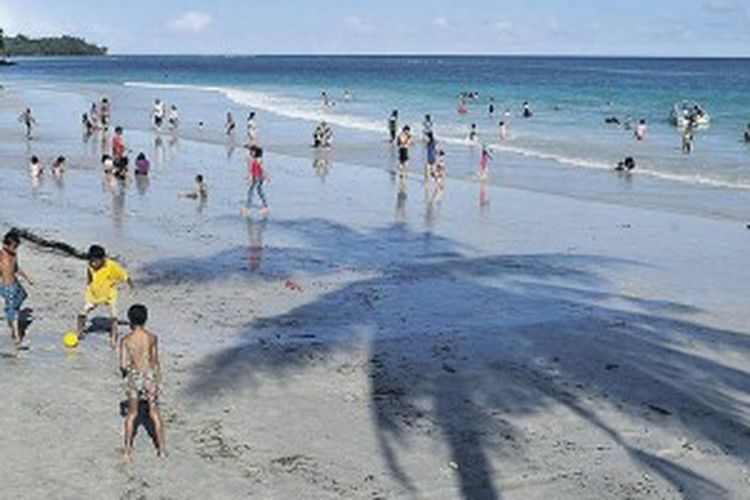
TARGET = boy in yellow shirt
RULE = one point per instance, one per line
(104, 275)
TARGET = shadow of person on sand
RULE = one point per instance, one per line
(465, 347)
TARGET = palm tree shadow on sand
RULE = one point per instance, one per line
(461, 347)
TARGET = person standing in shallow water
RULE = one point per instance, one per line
(640, 130)
(687, 139)
(393, 125)
(431, 151)
(256, 177)
(230, 125)
(28, 120)
(404, 142)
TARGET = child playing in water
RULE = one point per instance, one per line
(484, 163)
(438, 173)
(200, 192)
(108, 164)
(256, 177)
(103, 274)
(58, 166)
(404, 141)
(141, 371)
(12, 291)
(142, 165)
(174, 118)
(503, 130)
(473, 135)
(35, 167)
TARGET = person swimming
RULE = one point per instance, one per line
(747, 133)
(625, 166)
(527, 113)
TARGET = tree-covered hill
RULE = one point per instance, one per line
(65, 45)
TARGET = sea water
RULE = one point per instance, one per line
(570, 97)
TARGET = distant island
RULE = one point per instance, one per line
(64, 45)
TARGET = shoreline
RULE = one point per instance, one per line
(489, 344)
(511, 168)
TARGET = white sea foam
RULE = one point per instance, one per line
(313, 111)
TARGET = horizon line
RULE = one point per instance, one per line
(406, 54)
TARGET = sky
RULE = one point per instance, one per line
(556, 27)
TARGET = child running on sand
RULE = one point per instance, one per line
(12, 291)
(141, 372)
(103, 274)
(256, 177)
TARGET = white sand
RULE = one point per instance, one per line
(541, 347)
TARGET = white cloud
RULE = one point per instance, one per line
(503, 26)
(441, 22)
(721, 5)
(191, 22)
(358, 25)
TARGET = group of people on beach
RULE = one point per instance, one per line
(159, 113)
(138, 350)
(98, 116)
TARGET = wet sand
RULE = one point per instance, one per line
(494, 343)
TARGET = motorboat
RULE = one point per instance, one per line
(689, 113)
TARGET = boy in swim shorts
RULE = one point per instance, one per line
(103, 275)
(141, 371)
(13, 293)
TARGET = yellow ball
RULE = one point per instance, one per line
(70, 339)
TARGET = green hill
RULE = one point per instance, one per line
(65, 45)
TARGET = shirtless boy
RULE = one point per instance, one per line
(141, 371)
(12, 291)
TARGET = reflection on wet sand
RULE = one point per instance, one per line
(401, 199)
(484, 197)
(255, 230)
(322, 164)
(142, 183)
(159, 150)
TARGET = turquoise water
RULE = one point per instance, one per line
(571, 98)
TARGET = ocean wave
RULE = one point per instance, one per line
(313, 111)
(288, 107)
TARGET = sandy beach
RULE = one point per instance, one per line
(490, 343)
